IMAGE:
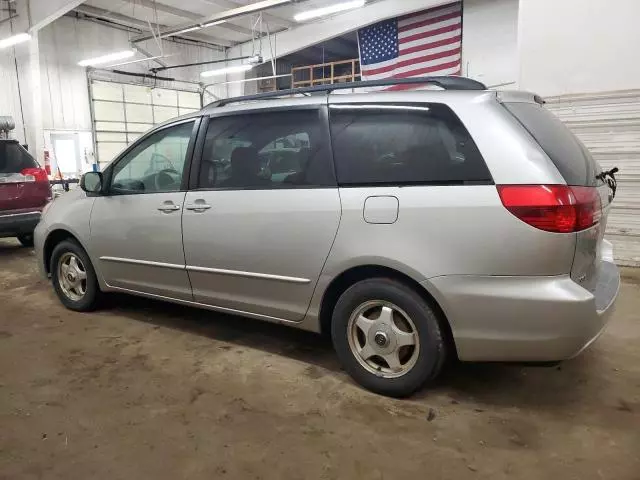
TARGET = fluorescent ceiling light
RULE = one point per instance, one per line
(331, 9)
(186, 30)
(139, 60)
(19, 38)
(225, 70)
(213, 24)
(194, 28)
(112, 57)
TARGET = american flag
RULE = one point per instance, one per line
(423, 43)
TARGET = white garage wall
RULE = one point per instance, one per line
(581, 56)
(64, 85)
(490, 41)
(578, 46)
(17, 92)
(9, 98)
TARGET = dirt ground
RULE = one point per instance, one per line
(149, 390)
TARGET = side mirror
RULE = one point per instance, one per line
(91, 182)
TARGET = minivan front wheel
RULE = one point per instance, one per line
(73, 277)
(387, 337)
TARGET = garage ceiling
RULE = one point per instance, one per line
(174, 13)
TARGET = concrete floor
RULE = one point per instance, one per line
(149, 390)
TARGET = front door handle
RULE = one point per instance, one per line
(169, 207)
(198, 206)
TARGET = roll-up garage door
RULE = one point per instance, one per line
(609, 125)
(122, 112)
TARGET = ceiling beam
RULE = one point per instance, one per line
(241, 11)
(178, 12)
(41, 13)
(314, 32)
(161, 7)
(142, 24)
(267, 17)
(235, 28)
(339, 49)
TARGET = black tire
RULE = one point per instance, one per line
(432, 353)
(26, 239)
(92, 297)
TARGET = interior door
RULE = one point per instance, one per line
(136, 228)
(260, 223)
(66, 153)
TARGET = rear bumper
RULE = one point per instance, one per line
(12, 224)
(525, 318)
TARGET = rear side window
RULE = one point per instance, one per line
(403, 145)
(14, 158)
(566, 151)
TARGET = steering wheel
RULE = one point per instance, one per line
(165, 178)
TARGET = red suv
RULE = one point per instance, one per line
(24, 191)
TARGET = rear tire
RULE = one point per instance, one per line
(74, 278)
(26, 239)
(387, 337)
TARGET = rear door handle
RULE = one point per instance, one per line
(169, 207)
(198, 207)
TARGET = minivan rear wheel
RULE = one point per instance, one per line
(73, 277)
(387, 337)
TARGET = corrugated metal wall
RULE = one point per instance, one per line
(609, 125)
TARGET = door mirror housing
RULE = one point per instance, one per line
(91, 182)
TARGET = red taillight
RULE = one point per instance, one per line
(35, 175)
(553, 208)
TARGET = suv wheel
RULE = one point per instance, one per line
(387, 337)
(26, 239)
(74, 278)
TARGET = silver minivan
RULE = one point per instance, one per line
(412, 226)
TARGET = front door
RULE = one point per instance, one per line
(259, 224)
(136, 229)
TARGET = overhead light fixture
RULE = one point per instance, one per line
(331, 9)
(19, 38)
(186, 30)
(112, 57)
(145, 59)
(225, 70)
(212, 24)
(193, 29)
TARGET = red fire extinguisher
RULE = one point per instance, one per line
(47, 162)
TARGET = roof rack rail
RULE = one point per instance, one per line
(445, 82)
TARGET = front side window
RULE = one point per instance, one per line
(156, 164)
(403, 145)
(266, 151)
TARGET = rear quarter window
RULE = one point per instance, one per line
(14, 158)
(403, 145)
(566, 151)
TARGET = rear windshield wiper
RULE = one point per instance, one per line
(609, 177)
